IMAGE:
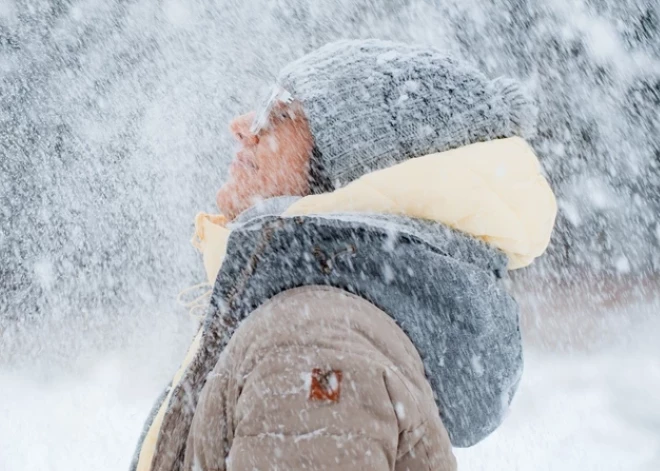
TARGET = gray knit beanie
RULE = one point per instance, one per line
(371, 104)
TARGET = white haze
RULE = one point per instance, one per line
(113, 119)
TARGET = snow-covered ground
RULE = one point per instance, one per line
(579, 411)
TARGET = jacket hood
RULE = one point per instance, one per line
(491, 190)
(494, 191)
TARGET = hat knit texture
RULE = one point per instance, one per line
(371, 104)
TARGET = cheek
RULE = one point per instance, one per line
(267, 154)
(272, 144)
(282, 160)
(278, 175)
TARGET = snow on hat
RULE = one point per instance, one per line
(372, 103)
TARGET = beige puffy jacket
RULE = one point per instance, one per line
(318, 379)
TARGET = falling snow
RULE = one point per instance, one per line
(113, 135)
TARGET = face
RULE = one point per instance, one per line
(272, 162)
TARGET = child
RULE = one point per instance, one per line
(364, 325)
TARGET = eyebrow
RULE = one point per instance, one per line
(278, 96)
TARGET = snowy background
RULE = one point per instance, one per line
(113, 117)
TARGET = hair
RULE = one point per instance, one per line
(318, 179)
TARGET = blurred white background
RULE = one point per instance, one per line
(113, 117)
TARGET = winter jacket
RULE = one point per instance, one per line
(341, 389)
(401, 261)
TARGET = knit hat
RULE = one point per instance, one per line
(371, 104)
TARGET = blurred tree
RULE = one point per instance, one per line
(113, 117)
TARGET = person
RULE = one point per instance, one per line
(359, 317)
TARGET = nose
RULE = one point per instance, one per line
(240, 128)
